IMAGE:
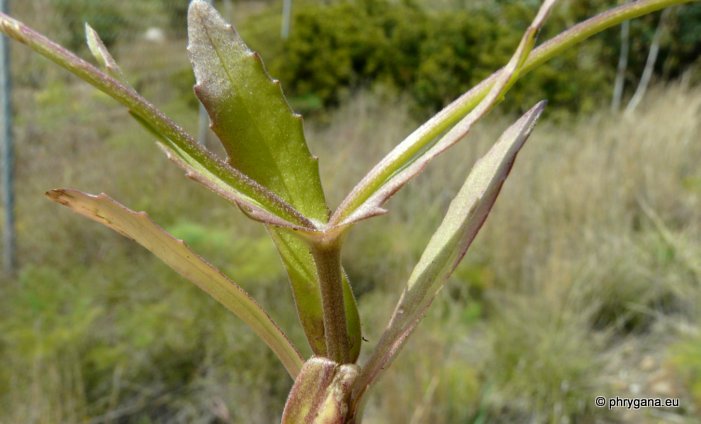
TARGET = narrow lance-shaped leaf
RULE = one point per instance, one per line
(175, 137)
(265, 140)
(411, 157)
(465, 216)
(176, 254)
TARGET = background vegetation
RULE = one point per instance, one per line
(585, 281)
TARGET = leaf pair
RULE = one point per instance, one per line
(465, 216)
(267, 135)
(412, 155)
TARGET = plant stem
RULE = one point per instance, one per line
(327, 257)
(451, 114)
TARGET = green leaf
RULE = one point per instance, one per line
(468, 210)
(321, 393)
(465, 216)
(412, 155)
(263, 138)
(176, 254)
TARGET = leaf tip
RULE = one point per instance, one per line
(533, 115)
(198, 6)
(540, 106)
(201, 13)
(89, 31)
(62, 196)
(101, 54)
(55, 194)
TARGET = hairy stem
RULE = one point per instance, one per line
(327, 257)
(460, 107)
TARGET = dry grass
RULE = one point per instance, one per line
(585, 274)
(592, 245)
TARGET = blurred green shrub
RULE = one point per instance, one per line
(431, 53)
(684, 42)
(337, 47)
(106, 17)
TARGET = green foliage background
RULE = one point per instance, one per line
(433, 53)
(430, 50)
